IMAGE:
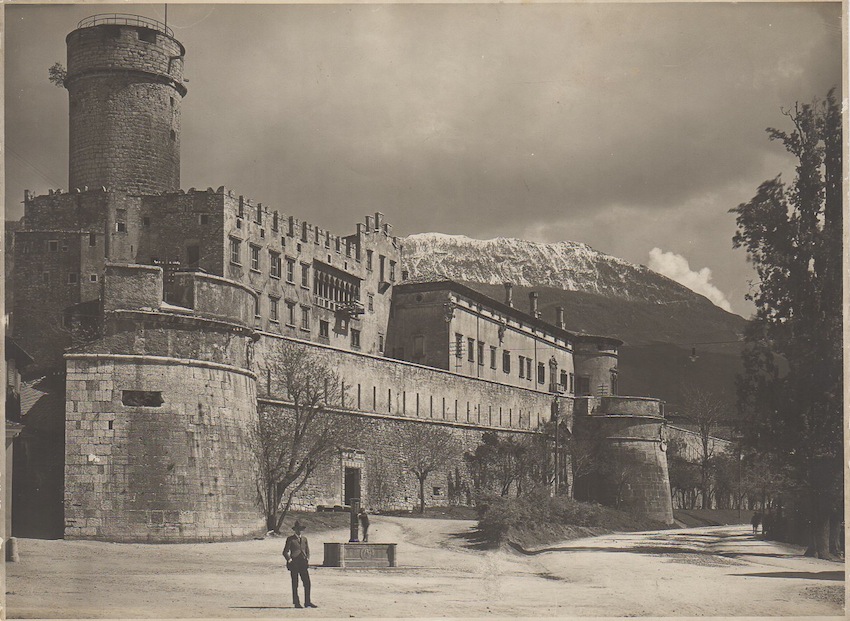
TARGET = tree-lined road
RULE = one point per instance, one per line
(718, 571)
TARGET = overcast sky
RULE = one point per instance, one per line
(633, 128)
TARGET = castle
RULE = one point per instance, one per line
(151, 312)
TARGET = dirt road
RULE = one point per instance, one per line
(720, 571)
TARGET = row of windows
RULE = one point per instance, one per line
(474, 347)
(275, 262)
(73, 278)
(52, 245)
(292, 314)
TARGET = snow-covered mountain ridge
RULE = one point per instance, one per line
(567, 265)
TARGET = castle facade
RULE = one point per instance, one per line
(159, 309)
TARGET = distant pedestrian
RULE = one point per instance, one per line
(768, 525)
(364, 524)
(756, 521)
(296, 551)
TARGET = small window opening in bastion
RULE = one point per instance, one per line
(110, 423)
(142, 398)
(437, 491)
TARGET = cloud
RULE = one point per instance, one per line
(675, 267)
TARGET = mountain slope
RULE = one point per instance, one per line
(570, 266)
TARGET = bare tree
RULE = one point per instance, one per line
(426, 448)
(291, 439)
(707, 412)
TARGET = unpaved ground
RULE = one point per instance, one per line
(718, 571)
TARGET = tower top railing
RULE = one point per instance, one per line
(125, 19)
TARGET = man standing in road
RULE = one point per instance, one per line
(296, 551)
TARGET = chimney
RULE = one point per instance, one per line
(368, 224)
(559, 317)
(532, 300)
(378, 215)
(387, 229)
(509, 294)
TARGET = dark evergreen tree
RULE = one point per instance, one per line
(790, 392)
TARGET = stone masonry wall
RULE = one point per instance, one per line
(385, 386)
(180, 471)
(125, 87)
(386, 483)
(640, 477)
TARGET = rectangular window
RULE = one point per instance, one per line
(418, 346)
(528, 368)
(257, 305)
(541, 373)
(355, 338)
(572, 383)
(305, 317)
(506, 361)
(273, 308)
(93, 278)
(458, 345)
(92, 239)
(204, 218)
(121, 220)
(392, 271)
(382, 260)
(371, 303)
(53, 245)
(470, 350)
(290, 270)
(492, 357)
(324, 329)
(305, 275)
(521, 366)
(274, 260)
(480, 354)
(368, 259)
(235, 251)
(72, 278)
(255, 258)
(142, 398)
(290, 314)
(381, 343)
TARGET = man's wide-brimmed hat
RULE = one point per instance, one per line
(298, 525)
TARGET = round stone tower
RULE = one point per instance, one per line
(125, 85)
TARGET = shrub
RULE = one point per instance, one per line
(542, 516)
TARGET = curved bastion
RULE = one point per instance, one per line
(159, 413)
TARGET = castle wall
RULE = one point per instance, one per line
(386, 484)
(390, 387)
(177, 471)
(635, 445)
(596, 366)
(174, 223)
